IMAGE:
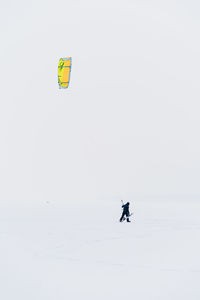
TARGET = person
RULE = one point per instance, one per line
(125, 212)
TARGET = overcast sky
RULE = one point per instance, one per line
(128, 125)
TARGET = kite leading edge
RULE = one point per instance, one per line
(64, 69)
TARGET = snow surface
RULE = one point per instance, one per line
(83, 252)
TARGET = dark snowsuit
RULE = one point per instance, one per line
(125, 212)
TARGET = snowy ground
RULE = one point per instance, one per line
(83, 252)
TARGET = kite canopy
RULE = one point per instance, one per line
(64, 69)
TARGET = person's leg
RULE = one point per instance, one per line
(122, 217)
(127, 218)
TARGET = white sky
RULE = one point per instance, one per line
(128, 126)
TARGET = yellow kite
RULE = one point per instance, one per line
(64, 69)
